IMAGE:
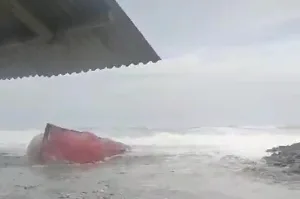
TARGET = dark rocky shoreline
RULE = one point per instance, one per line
(285, 156)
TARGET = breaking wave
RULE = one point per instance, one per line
(248, 142)
(226, 149)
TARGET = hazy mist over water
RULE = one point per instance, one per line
(224, 64)
(184, 92)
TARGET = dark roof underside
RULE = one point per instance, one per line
(52, 37)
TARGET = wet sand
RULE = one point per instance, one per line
(148, 176)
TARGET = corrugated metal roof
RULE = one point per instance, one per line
(87, 35)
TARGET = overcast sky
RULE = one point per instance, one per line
(227, 62)
(175, 26)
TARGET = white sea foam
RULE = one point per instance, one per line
(247, 142)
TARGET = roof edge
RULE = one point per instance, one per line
(80, 72)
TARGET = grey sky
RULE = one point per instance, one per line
(237, 64)
(175, 26)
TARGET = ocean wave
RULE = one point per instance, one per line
(243, 141)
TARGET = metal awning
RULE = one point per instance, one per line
(51, 37)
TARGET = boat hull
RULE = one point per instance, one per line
(58, 144)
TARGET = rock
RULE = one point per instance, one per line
(285, 156)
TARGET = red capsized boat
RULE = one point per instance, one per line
(58, 144)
